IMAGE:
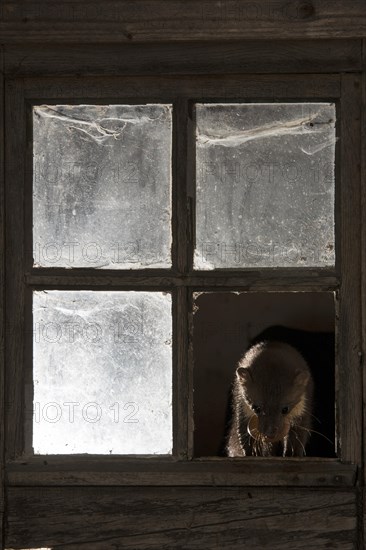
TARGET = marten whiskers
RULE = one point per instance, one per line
(309, 430)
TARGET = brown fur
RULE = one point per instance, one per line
(272, 376)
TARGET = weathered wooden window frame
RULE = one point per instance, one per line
(21, 279)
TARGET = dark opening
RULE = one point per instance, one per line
(227, 323)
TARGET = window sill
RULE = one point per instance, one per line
(167, 471)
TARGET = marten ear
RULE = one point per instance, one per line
(302, 378)
(243, 374)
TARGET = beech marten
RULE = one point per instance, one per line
(271, 402)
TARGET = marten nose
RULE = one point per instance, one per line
(268, 426)
(270, 432)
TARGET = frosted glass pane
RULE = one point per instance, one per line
(102, 372)
(102, 186)
(265, 185)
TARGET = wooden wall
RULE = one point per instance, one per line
(71, 506)
(167, 518)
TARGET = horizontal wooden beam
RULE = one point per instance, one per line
(251, 56)
(166, 518)
(179, 20)
(280, 280)
(168, 88)
(114, 471)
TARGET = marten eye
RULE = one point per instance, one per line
(285, 410)
(256, 409)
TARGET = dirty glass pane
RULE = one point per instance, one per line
(265, 185)
(102, 372)
(102, 186)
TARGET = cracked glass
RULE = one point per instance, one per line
(102, 370)
(265, 185)
(102, 186)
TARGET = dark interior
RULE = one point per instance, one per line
(226, 324)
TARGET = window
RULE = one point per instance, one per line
(226, 323)
(102, 186)
(135, 166)
(102, 372)
(265, 185)
(102, 200)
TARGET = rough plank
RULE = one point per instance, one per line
(160, 88)
(363, 243)
(349, 368)
(298, 56)
(179, 170)
(362, 525)
(15, 296)
(179, 20)
(189, 518)
(2, 296)
(362, 532)
(181, 396)
(245, 280)
(115, 471)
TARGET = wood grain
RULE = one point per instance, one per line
(180, 229)
(349, 368)
(162, 88)
(362, 532)
(275, 279)
(2, 296)
(73, 502)
(15, 291)
(189, 518)
(182, 398)
(103, 471)
(179, 20)
(299, 56)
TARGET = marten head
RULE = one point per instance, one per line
(275, 384)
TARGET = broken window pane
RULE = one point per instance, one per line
(102, 372)
(102, 186)
(265, 185)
